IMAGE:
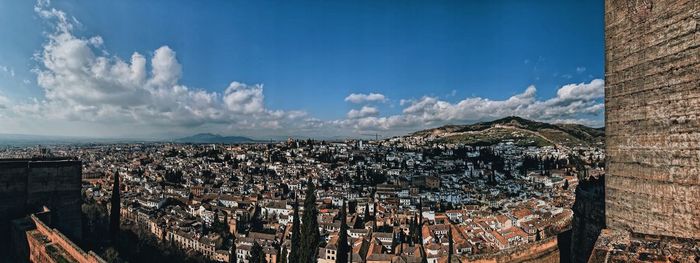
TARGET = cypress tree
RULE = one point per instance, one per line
(310, 237)
(256, 223)
(295, 248)
(374, 216)
(343, 247)
(256, 254)
(374, 210)
(449, 238)
(232, 253)
(115, 207)
(417, 235)
(279, 254)
(366, 216)
(411, 231)
(283, 255)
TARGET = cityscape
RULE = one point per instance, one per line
(105, 159)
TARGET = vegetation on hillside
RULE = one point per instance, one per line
(521, 131)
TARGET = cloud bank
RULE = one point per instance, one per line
(86, 89)
(363, 98)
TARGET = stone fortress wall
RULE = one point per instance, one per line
(652, 106)
(43, 237)
(543, 251)
(26, 185)
(652, 130)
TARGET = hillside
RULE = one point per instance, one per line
(521, 131)
(214, 138)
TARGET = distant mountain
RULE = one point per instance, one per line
(214, 138)
(521, 131)
(30, 139)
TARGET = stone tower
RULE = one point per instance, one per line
(26, 185)
(652, 132)
(652, 107)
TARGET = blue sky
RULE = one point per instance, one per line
(308, 56)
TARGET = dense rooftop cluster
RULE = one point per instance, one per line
(408, 199)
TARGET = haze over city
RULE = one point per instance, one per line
(162, 69)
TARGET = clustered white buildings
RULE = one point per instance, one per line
(218, 200)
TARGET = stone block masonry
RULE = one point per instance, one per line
(26, 185)
(652, 106)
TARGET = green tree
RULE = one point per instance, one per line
(451, 245)
(417, 235)
(365, 217)
(111, 255)
(256, 254)
(310, 237)
(282, 257)
(115, 207)
(411, 230)
(232, 253)
(295, 249)
(256, 223)
(343, 247)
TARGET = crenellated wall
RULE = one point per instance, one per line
(44, 236)
(544, 251)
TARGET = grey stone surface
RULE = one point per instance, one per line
(27, 185)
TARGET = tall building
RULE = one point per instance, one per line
(27, 185)
(652, 106)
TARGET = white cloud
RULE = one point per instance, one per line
(362, 98)
(82, 84)
(574, 103)
(582, 91)
(243, 98)
(580, 69)
(166, 70)
(87, 91)
(4, 102)
(365, 111)
(8, 70)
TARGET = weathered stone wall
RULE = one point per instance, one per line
(652, 101)
(27, 185)
(589, 218)
(543, 251)
(57, 186)
(54, 237)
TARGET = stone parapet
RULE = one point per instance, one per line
(614, 245)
